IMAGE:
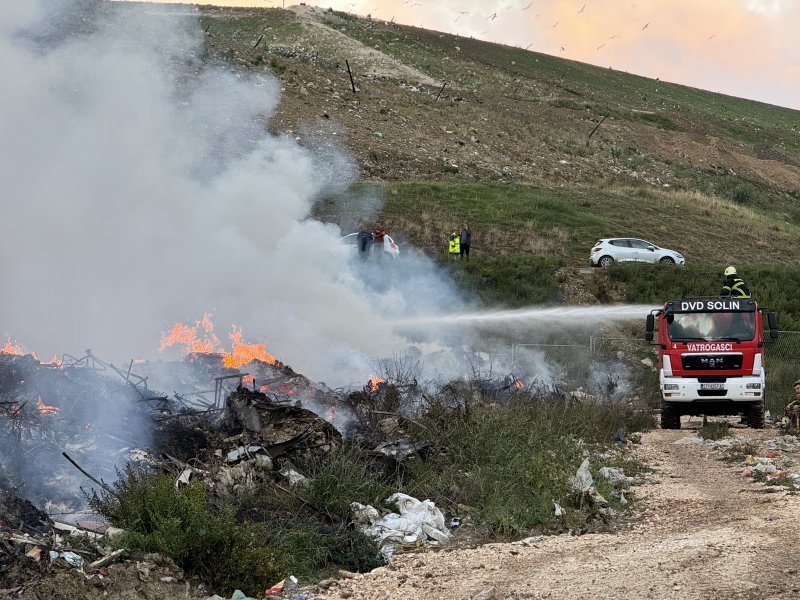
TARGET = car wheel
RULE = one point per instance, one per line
(668, 261)
(605, 261)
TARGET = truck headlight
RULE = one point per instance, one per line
(670, 387)
(753, 386)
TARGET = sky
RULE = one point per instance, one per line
(744, 48)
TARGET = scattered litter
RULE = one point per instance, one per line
(284, 585)
(582, 481)
(73, 559)
(614, 475)
(686, 441)
(418, 522)
(558, 510)
(377, 135)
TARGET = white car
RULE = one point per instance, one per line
(389, 245)
(608, 251)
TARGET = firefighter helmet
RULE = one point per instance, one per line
(730, 271)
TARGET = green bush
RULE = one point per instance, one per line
(512, 281)
(310, 524)
(509, 462)
(183, 524)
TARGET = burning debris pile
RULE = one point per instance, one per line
(91, 414)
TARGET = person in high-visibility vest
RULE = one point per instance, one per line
(734, 286)
(454, 248)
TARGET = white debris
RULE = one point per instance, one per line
(614, 475)
(582, 481)
(417, 522)
(558, 510)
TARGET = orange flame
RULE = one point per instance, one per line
(208, 343)
(374, 383)
(11, 347)
(185, 335)
(45, 409)
(244, 353)
(519, 384)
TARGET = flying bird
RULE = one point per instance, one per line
(581, 10)
(563, 48)
(556, 24)
(529, 45)
(712, 37)
(601, 45)
(491, 17)
(645, 26)
(527, 7)
(615, 36)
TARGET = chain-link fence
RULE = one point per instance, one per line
(597, 363)
(782, 364)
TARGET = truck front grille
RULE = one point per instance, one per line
(705, 362)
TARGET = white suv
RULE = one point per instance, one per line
(611, 250)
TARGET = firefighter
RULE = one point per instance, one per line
(454, 247)
(734, 286)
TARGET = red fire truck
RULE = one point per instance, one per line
(711, 358)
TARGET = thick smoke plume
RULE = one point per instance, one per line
(141, 188)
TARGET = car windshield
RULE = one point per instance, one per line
(721, 326)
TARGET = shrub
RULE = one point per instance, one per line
(183, 524)
(715, 430)
(510, 461)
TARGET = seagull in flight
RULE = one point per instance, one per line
(581, 10)
(527, 7)
(529, 45)
(712, 36)
(555, 24)
(601, 45)
(491, 17)
(645, 26)
(563, 48)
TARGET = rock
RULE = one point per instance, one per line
(490, 594)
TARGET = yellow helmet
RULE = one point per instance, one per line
(730, 271)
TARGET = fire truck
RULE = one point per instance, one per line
(711, 358)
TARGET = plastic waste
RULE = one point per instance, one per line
(558, 510)
(582, 481)
(240, 595)
(284, 585)
(417, 522)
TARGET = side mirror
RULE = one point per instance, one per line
(649, 327)
(651, 248)
(772, 320)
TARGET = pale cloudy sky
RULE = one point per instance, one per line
(746, 48)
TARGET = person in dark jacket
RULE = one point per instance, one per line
(734, 286)
(463, 248)
(364, 238)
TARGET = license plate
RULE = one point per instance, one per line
(712, 386)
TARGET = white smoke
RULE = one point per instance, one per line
(141, 188)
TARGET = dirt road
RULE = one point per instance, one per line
(703, 532)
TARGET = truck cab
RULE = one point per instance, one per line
(711, 358)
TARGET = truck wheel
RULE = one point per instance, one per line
(754, 414)
(670, 416)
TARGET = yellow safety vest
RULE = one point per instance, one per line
(455, 244)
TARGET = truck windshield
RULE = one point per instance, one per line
(728, 326)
